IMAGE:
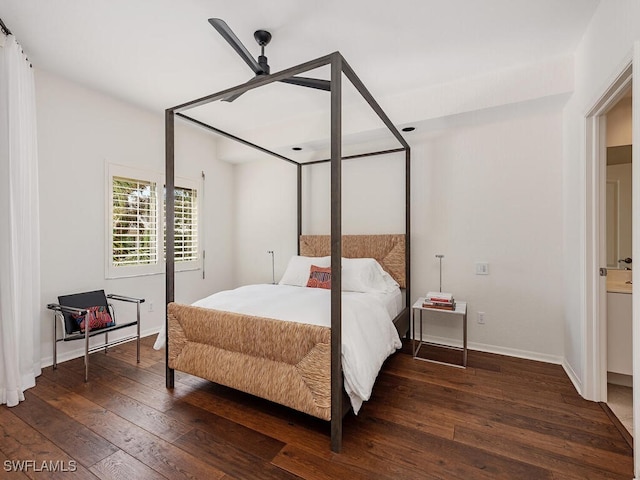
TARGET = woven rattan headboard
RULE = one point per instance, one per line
(388, 250)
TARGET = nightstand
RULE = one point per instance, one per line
(459, 313)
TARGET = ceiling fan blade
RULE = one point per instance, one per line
(224, 30)
(231, 98)
(309, 82)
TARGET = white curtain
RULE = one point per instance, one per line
(20, 308)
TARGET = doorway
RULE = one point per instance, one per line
(619, 260)
(593, 379)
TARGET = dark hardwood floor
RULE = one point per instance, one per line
(501, 418)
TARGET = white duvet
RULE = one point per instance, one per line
(368, 333)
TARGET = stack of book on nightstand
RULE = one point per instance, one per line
(439, 300)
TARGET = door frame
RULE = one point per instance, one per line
(595, 353)
(594, 301)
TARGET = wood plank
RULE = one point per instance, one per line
(403, 391)
(618, 424)
(283, 424)
(561, 465)
(154, 398)
(312, 467)
(116, 364)
(33, 454)
(7, 471)
(100, 393)
(120, 466)
(230, 459)
(557, 443)
(162, 456)
(442, 457)
(241, 437)
(442, 375)
(71, 436)
(439, 425)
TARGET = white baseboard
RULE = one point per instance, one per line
(515, 352)
(511, 352)
(79, 352)
(573, 377)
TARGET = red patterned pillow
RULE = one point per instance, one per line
(319, 277)
(98, 318)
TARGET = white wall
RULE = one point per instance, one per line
(602, 54)
(486, 186)
(78, 131)
(373, 196)
(265, 219)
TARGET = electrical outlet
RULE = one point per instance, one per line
(481, 318)
(482, 268)
(151, 306)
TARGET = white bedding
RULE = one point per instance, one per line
(368, 333)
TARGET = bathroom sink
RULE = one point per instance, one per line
(619, 281)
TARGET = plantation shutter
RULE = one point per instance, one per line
(186, 224)
(134, 222)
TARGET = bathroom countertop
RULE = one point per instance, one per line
(616, 281)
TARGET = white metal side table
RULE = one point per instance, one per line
(459, 312)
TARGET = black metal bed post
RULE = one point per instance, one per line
(336, 253)
(407, 226)
(169, 118)
(299, 177)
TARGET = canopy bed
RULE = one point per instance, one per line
(307, 364)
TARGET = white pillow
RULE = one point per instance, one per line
(365, 275)
(298, 269)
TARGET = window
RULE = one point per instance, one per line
(136, 212)
(134, 222)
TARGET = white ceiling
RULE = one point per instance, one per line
(161, 53)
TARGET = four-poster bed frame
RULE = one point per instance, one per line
(338, 67)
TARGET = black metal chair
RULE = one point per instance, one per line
(71, 308)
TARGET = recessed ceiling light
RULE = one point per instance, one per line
(297, 149)
(408, 129)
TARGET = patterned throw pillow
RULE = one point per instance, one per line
(98, 318)
(319, 277)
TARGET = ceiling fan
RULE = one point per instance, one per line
(261, 67)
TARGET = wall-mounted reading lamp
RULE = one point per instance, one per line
(440, 257)
(273, 267)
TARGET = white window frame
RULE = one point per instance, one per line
(112, 271)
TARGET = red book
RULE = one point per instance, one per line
(450, 307)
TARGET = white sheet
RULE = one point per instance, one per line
(368, 333)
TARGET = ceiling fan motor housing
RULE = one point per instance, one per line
(262, 61)
(263, 38)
